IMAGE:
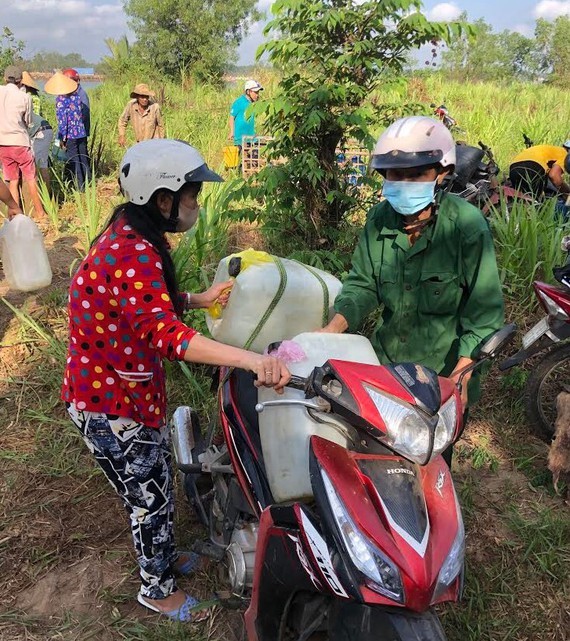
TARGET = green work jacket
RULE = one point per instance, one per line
(440, 297)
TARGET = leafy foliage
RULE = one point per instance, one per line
(50, 60)
(10, 49)
(189, 36)
(486, 55)
(332, 54)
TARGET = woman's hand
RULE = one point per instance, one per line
(218, 293)
(270, 371)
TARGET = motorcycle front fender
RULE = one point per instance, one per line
(349, 621)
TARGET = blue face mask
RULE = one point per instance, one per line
(409, 198)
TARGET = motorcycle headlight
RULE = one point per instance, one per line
(381, 574)
(453, 564)
(445, 428)
(406, 431)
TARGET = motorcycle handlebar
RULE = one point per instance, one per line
(297, 382)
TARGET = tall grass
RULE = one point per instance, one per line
(89, 210)
(528, 241)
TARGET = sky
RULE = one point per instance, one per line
(81, 26)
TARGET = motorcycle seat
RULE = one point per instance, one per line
(246, 400)
(468, 159)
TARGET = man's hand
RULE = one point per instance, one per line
(13, 211)
(462, 363)
(337, 325)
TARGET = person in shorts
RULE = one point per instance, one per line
(16, 154)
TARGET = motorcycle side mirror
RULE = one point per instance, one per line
(497, 342)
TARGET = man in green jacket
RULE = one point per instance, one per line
(425, 257)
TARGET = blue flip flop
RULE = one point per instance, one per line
(186, 613)
(190, 565)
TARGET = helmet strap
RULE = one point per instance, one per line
(171, 223)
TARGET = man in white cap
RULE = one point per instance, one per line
(16, 155)
(239, 124)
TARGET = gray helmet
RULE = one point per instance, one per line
(161, 164)
(413, 142)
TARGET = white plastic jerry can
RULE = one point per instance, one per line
(23, 253)
(272, 299)
(285, 431)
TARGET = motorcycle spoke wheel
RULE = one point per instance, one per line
(548, 379)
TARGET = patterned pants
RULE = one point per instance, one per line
(136, 461)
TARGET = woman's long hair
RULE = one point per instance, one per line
(147, 221)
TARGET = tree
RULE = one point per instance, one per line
(182, 36)
(50, 60)
(10, 49)
(332, 55)
(486, 55)
(121, 61)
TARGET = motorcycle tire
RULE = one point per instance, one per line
(550, 377)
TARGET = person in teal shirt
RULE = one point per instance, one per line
(426, 258)
(239, 124)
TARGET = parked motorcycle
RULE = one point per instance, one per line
(364, 537)
(549, 337)
(476, 176)
(442, 112)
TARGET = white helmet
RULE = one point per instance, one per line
(413, 142)
(161, 164)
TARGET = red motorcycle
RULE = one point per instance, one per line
(551, 374)
(375, 542)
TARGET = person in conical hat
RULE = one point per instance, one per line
(41, 132)
(144, 113)
(72, 134)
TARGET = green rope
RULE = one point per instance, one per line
(273, 304)
(325, 317)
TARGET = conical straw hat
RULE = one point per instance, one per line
(59, 85)
(29, 81)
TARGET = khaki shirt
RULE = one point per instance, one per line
(146, 123)
(15, 116)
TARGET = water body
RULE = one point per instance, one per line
(88, 85)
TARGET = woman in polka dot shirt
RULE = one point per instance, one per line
(124, 318)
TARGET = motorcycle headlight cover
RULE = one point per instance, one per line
(445, 428)
(453, 563)
(406, 431)
(381, 573)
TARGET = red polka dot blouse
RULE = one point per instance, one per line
(121, 323)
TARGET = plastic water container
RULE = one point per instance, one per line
(24, 257)
(271, 304)
(285, 430)
(231, 156)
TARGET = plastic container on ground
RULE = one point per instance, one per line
(285, 430)
(231, 156)
(271, 303)
(24, 257)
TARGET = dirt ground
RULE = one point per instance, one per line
(65, 552)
